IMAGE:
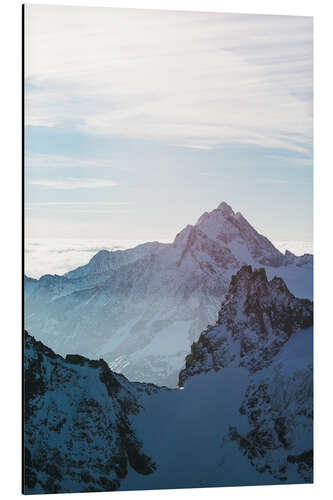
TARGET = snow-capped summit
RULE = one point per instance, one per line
(231, 231)
(222, 211)
(224, 207)
(256, 318)
(141, 308)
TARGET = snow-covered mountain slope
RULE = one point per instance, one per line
(140, 309)
(238, 422)
(210, 433)
(77, 432)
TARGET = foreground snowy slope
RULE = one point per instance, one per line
(140, 309)
(244, 415)
(211, 438)
(238, 422)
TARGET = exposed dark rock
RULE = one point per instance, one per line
(275, 409)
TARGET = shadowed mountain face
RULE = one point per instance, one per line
(78, 436)
(140, 309)
(244, 416)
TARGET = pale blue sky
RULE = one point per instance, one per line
(139, 121)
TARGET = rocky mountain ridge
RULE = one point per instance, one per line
(140, 309)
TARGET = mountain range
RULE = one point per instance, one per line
(242, 414)
(140, 309)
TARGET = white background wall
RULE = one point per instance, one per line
(10, 246)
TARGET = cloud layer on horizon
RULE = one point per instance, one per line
(60, 255)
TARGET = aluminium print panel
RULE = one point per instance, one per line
(168, 267)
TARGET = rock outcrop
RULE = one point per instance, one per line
(256, 318)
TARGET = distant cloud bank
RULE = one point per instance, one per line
(58, 256)
(297, 247)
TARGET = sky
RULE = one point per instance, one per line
(138, 121)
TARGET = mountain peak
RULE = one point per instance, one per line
(248, 281)
(223, 230)
(225, 208)
(232, 230)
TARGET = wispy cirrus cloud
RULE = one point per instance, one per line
(77, 203)
(291, 161)
(91, 208)
(99, 212)
(73, 183)
(60, 161)
(196, 79)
